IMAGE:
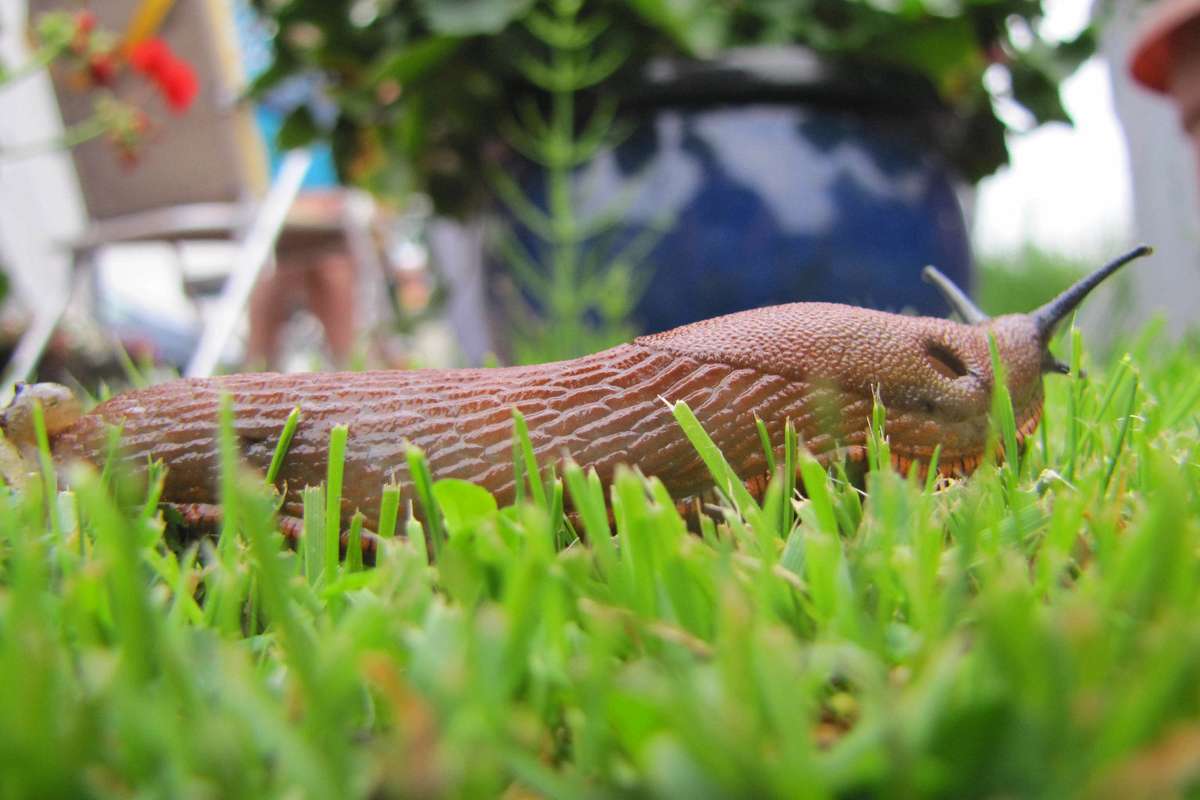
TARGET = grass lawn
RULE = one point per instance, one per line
(1034, 631)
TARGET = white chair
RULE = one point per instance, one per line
(201, 176)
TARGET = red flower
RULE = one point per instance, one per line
(148, 56)
(85, 24)
(102, 68)
(85, 21)
(173, 76)
(178, 83)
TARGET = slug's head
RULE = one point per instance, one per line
(1022, 342)
(934, 376)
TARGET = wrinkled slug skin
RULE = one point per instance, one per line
(816, 364)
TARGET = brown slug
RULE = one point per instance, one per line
(817, 364)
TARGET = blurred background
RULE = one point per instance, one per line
(214, 185)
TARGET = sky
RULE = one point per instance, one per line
(1064, 184)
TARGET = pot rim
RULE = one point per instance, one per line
(786, 74)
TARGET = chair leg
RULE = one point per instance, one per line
(30, 348)
(32, 344)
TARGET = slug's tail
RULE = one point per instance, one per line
(14, 468)
(18, 447)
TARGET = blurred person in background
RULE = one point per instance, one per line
(313, 270)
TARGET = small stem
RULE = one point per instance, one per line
(562, 311)
(38, 62)
(72, 137)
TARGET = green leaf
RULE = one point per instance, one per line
(471, 17)
(389, 507)
(335, 466)
(700, 27)
(313, 499)
(816, 486)
(1036, 89)
(943, 50)
(418, 470)
(1003, 418)
(413, 61)
(281, 447)
(354, 559)
(55, 29)
(723, 474)
(525, 459)
(299, 129)
(463, 504)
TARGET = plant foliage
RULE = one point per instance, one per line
(573, 294)
(422, 87)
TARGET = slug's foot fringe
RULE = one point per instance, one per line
(204, 519)
(960, 467)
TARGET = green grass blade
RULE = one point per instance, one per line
(1074, 401)
(335, 468)
(931, 477)
(136, 377)
(227, 445)
(764, 439)
(1002, 414)
(1122, 436)
(414, 533)
(816, 486)
(354, 555)
(529, 459)
(48, 474)
(418, 469)
(313, 500)
(726, 479)
(587, 498)
(389, 509)
(879, 452)
(791, 450)
(281, 447)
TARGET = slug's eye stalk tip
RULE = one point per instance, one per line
(1048, 316)
(954, 296)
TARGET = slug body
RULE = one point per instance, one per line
(816, 364)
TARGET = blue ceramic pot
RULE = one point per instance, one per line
(778, 178)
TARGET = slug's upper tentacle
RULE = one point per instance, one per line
(956, 297)
(1048, 316)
